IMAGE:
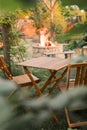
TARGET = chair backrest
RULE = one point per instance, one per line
(77, 102)
(80, 74)
(4, 68)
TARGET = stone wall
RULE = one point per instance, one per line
(40, 50)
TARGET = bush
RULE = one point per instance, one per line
(77, 43)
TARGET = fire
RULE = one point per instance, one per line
(44, 36)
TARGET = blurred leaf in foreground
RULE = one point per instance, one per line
(11, 5)
(6, 87)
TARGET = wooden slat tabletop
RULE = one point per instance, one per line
(51, 63)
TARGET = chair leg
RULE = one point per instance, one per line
(12, 93)
(67, 117)
(76, 124)
(55, 119)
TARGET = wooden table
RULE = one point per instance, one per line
(50, 63)
(84, 50)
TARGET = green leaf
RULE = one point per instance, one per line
(79, 59)
(11, 5)
(6, 86)
(5, 111)
(81, 3)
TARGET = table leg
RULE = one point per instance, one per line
(57, 80)
(37, 88)
(66, 56)
(48, 81)
(31, 78)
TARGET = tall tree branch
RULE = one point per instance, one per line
(47, 5)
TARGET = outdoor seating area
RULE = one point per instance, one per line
(43, 65)
(54, 66)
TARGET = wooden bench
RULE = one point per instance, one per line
(67, 54)
(84, 50)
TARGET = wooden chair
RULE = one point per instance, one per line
(21, 80)
(79, 71)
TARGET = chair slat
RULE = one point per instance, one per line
(81, 81)
(80, 78)
(77, 76)
(85, 77)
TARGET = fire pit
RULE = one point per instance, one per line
(40, 50)
(45, 45)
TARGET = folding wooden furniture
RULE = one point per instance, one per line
(79, 78)
(21, 80)
(53, 65)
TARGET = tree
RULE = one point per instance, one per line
(7, 20)
(50, 5)
(11, 37)
(4, 5)
(49, 14)
(40, 15)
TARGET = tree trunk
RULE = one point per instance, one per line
(6, 44)
(51, 7)
(51, 24)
